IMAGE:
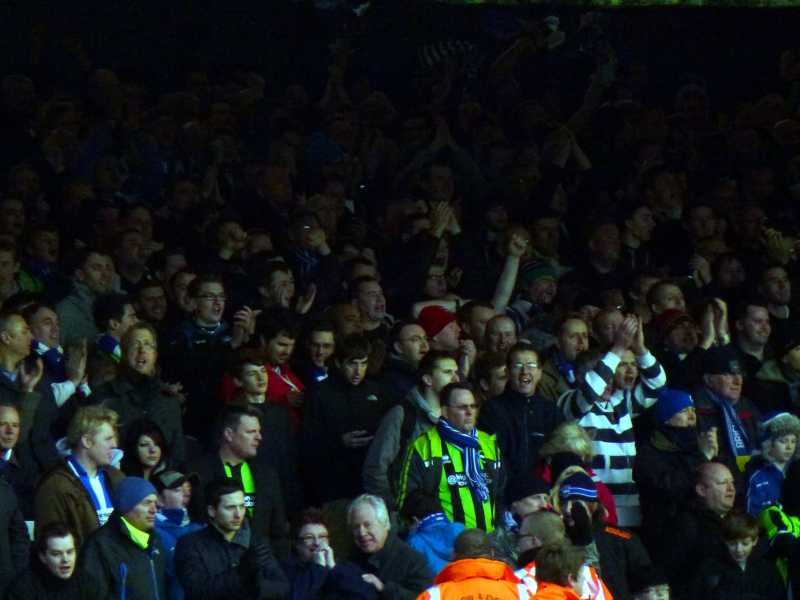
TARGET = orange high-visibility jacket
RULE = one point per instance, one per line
(552, 591)
(476, 577)
(592, 587)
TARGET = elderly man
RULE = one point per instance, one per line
(393, 568)
(124, 559)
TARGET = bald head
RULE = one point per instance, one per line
(715, 487)
(472, 543)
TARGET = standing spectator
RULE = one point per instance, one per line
(17, 465)
(608, 399)
(341, 417)
(124, 558)
(79, 492)
(387, 563)
(558, 567)
(277, 332)
(719, 403)
(50, 574)
(238, 442)
(139, 393)
(519, 417)
(114, 315)
(666, 463)
(404, 423)
(320, 344)
(228, 559)
(92, 275)
(753, 331)
(777, 383)
(144, 452)
(457, 463)
(408, 345)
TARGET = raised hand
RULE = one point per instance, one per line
(29, 377)
(75, 364)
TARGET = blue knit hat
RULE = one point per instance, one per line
(578, 486)
(671, 402)
(130, 492)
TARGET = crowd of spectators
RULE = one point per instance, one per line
(528, 329)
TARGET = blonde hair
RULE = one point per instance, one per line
(569, 437)
(87, 420)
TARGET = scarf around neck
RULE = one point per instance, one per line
(738, 441)
(470, 448)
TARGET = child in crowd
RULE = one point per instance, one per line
(778, 449)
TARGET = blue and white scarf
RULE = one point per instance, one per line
(738, 440)
(470, 448)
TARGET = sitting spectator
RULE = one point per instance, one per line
(50, 574)
(228, 559)
(387, 563)
(144, 452)
(312, 569)
(474, 571)
(172, 520)
(432, 533)
(779, 437)
(79, 491)
(124, 558)
(739, 573)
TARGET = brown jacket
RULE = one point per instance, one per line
(552, 384)
(61, 497)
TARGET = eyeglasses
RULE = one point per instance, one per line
(308, 540)
(213, 297)
(519, 366)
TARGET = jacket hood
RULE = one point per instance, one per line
(469, 568)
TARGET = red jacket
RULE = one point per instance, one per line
(476, 578)
(278, 387)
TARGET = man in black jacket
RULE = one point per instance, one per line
(519, 417)
(50, 575)
(341, 417)
(137, 393)
(124, 559)
(390, 565)
(228, 559)
(235, 457)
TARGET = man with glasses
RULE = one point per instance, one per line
(197, 351)
(457, 463)
(519, 417)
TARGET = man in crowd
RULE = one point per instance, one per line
(238, 440)
(457, 463)
(79, 492)
(51, 571)
(558, 370)
(405, 422)
(128, 539)
(92, 276)
(408, 346)
(229, 558)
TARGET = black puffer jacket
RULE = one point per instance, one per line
(112, 565)
(14, 542)
(622, 556)
(37, 583)
(722, 579)
(210, 567)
